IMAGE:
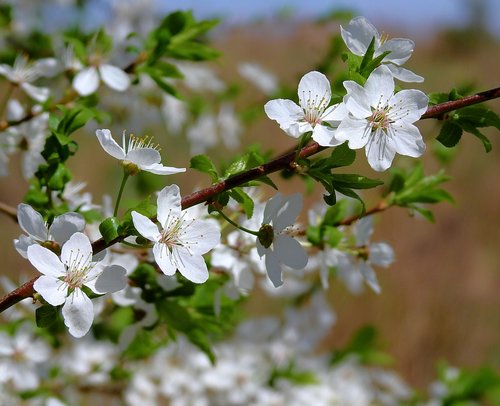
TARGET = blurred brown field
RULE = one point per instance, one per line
(441, 299)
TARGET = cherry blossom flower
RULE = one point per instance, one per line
(22, 74)
(313, 114)
(382, 121)
(32, 223)
(86, 81)
(359, 34)
(64, 277)
(273, 243)
(183, 238)
(261, 78)
(138, 154)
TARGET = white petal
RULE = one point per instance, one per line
(363, 230)
(169, 203)
(356, 100)
(78, 313)
(273, 268)
(334, 114)
(145, 226)
(356, 131)
(401, 50)
(23, 243)
(288, 212)
(286, 113)
(379, 86)
(408, 105)
(370, 277)
(272, 207)
(164, 259)
(45, 261)
(314, 91)
(358, 35)
(290, 252)
(408, 140)
(201, 236)
(404, 75)
(48, 67)
(109, 144)
(86, 81)
(381, 254)
(380, 151)
(40, 94)
(31, 222)
(112, 279)
(77, 246)
(191, 266)
(143, 156)
(159, 169)
(325, 136)
(52, 290)
(66, 225)
(114, 77)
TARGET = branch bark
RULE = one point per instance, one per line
(282, 162)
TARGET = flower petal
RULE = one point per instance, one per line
(290, 252)
(404, 75)
(66, 225)
(356, 131)
(325, 136)
(314, 91)
(40, 94)
(143, 156)
(112, 279)
(52, 290)
(381, 254)
(78, 247)
(286, 113)
(370, 277)
(159, 169)
(379, 87)
(86, 81)
(78, 313)
(408, 140)
(109, 144)
(31, 222)
(356, 100)
(273, 268)
(45, 261)
(401, 50)
(145, 226)
(272, 207)
(408, 105)
(201, 236)
(358, 35)
(191, 266)
(164, 259)
(380, 151)
(114, 77)
(169, 203)
(288, 212)
(23, 243)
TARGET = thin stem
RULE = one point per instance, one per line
(8, 210)
(246, 230)
(122, 186)
(6, 98)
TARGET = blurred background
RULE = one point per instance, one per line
(441, 299)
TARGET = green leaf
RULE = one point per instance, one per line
(203, 163)
(74, 119)
(450, 134)
(243, 199)
(474, 131)
(46, 316)
(342, 156)
(59, 177)
(333, 236)
(354, 181)
(336, 213)
(109, 229)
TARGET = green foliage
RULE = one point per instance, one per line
(363, 347)
(412, 188)
(291, 373)
(203, 163)
(46, 316)
(326, 231)
(109, 229)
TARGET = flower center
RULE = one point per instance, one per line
(314, 107)
(380, 119)
(170, 236)
(141, 142)
(77, 269)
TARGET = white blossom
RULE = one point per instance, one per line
(261, 78)
(137, 154)
(64, 277)
(313, 114)
(360, 32)
(183, 239)
(382, 121)
(87, 80)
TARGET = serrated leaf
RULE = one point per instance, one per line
(450, 134)
(46, 316)
(203, 163)
(109, 229)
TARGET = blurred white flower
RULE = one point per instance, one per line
(87, 80)
(261, 78)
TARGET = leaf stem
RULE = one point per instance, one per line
(246, 230)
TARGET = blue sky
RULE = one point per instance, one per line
(416, 17)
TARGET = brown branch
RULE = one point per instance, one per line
(376, 209)
(8, 210)
(239, 179)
